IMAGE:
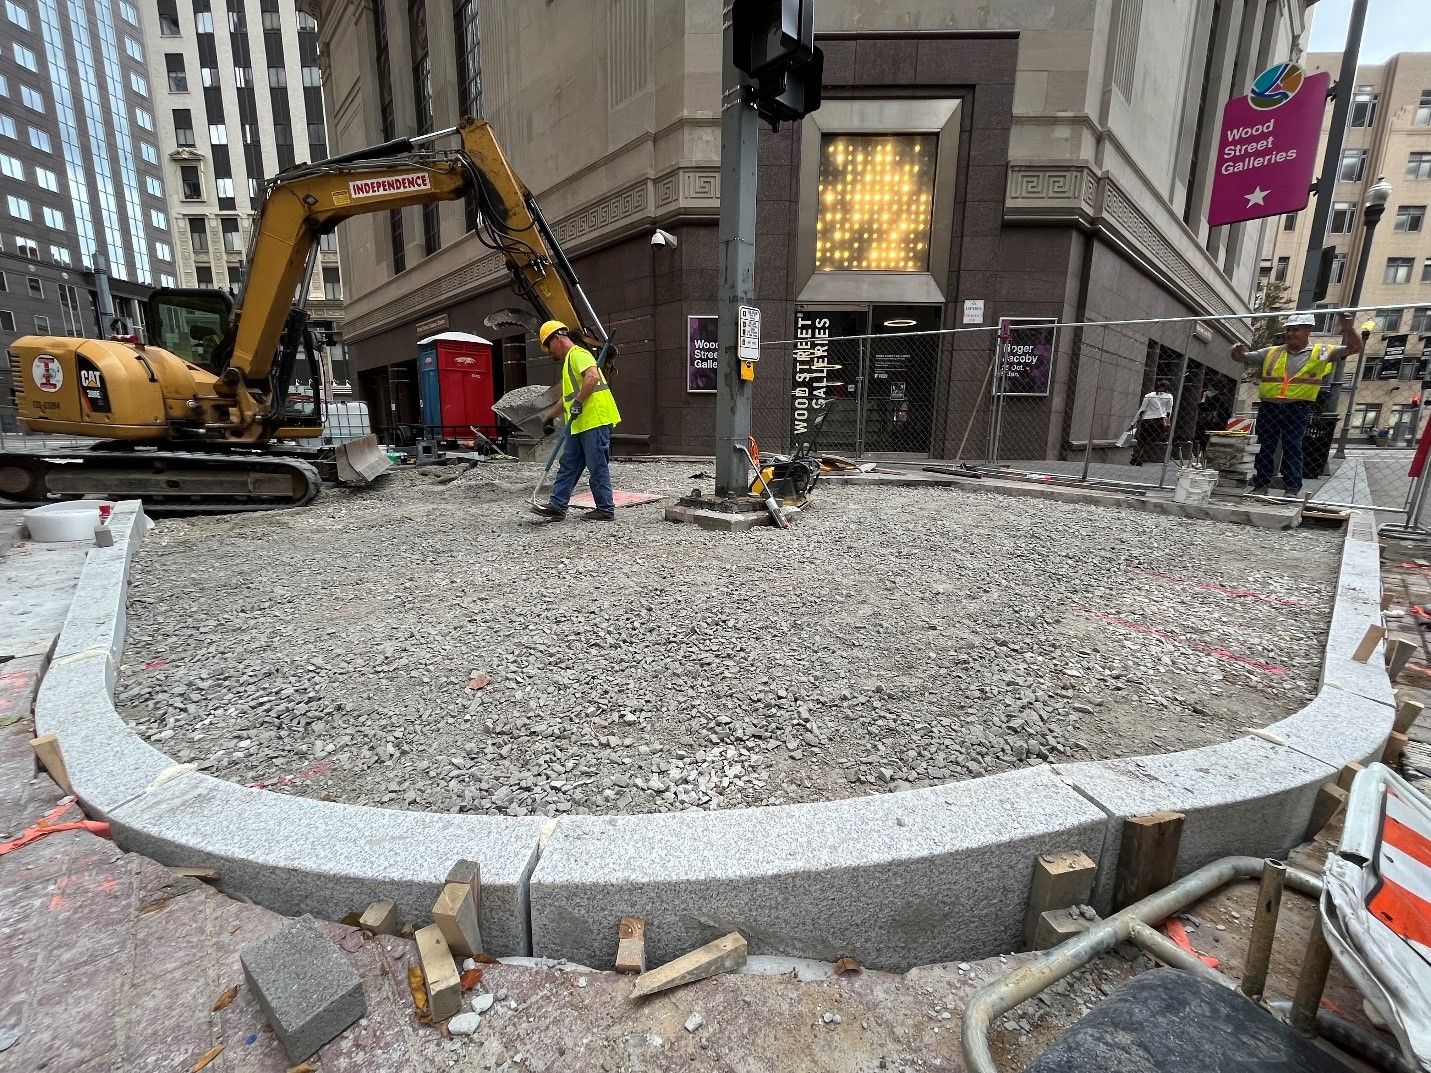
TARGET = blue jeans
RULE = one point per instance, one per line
(1282, 423)
(591, 451)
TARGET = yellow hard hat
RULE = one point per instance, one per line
(549, 329)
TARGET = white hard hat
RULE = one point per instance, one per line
(1300, 320)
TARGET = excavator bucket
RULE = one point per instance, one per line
(361, 461)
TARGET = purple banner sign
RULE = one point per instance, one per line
(1026, 367)
(702, 355)
(1267, 150)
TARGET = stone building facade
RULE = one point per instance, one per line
(1070, 168)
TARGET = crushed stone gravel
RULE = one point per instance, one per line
(419, 644)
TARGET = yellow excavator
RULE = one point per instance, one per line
(194, 416)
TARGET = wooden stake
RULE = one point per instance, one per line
(1395, 746)
(631, 945)
(1060, 880)
(1347, 774)
(1147, 858)
(1331, 798)
(439, 972)
(47, 750)
(1407, 712)
(724, 955)
(1373, 637)
(1398, 654)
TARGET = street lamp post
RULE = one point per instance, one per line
(1375, 205)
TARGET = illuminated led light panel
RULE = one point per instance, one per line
(876, 200)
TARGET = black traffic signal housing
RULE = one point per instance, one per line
(772, 35)
(792, 93)
(1324, 273)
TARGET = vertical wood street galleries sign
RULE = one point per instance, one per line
(1267, 150)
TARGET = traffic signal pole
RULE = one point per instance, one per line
(740, 127)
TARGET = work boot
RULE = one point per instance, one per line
(549, 512)
(599, 516)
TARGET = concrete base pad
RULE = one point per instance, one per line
(726, 517)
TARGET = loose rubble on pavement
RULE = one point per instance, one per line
(421, 645)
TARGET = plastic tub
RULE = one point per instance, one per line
(1195, 486)
(72, 520)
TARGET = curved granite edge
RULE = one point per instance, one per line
(894, 880)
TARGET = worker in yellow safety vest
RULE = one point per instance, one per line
(1291, 378)
(591, 414)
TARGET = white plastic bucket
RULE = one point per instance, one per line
(71, 520)
(1195, 486)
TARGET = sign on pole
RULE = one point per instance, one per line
(747, 346)
(1266, 151)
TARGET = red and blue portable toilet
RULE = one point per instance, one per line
(456, 388)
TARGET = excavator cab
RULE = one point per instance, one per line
(191, 323)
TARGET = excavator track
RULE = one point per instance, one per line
(169, 482)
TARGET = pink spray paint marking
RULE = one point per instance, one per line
(1246, 594)
(312, 771)
(1220, 653)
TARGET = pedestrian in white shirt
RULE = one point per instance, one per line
(1153, 423)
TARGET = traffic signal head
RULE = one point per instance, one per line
(793, 93)
(772, 35)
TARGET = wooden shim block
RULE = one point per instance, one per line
(1056, 926)
(1395, 746)
(1147, 857)
(1331, 798)
(631, 946)
(380, 918)
(1407, 712)
(1347, 774)
(1059, 880)
(469, 872)
(1398, 655)
(439, 972)
(457, 913)
(1369, 641)
(208, 875)
(47, 749)
(723, 955)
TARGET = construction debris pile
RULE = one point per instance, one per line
(422, 646)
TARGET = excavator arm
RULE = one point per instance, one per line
(308, 201)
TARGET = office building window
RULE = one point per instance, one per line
(70, 310)
(24, 57)
(312, 77)
(307, 23)
(1418, 166)
(4, 283)
(198, 234)
(168, 18)
(154, 186)
(134, 48)
(875, 201)
(191, 183)
(149, 153)
(42, 325)
(163, 251)
(272, 20)
(204, 22)
(17, 14)
(209, 76)
(7, 321)
(40, 140)
(1410, 217)
(224, 188)
(1426, 270)
(469, 75)
(1352, 166)
(11, 168)
(138, 84)
(158, 220)
(178, 76)
(328, 243)
(1387, 320)
(388, 115)
(27, 247)
(1289, 222)
(47, 180)
(4, 86)
(277, 77)
(32, 98)
(183, 126)
(332, 284)
(1363, 107)
(19, 208)
(128, 12)
(1343, 218)
(53, 217)
(218, 134)
(7, 127)
(1421, 319)
(1423, 110)
(60, 256)
(1280, 274)
(144, 119)
(37, 289)
(233, 241)
(1398, 270)
(204, 276)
